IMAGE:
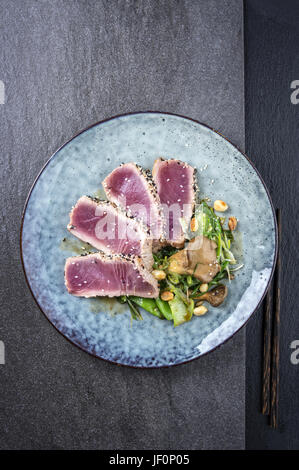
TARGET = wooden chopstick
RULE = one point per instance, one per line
(267, 352)
(271, 341)
(276, 333)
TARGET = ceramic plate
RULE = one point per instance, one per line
(78, 168)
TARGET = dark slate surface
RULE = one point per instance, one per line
(66, 65)
(272, 142)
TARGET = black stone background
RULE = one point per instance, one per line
(272, 143)
(52, 395)
(67, 64)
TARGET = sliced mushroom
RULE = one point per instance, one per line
(179, 262)
(215, 296)
(197, 259)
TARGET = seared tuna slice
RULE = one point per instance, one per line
(107, 228)
(176, 186)
(99, 274)
(131, 187)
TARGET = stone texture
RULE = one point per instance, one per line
(66, 65)
(272, 141)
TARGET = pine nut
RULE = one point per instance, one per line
(167, 295)
(220, 206)
(198, 311)
(158, 274)
(232, 223)
(194, 224)
(204, 288)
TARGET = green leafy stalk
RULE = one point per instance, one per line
(210, 226)
(147, 304)
(135, 314)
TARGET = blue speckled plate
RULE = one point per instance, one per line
(78, 168)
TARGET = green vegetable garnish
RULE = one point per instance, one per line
(164, 308)
(147, 304)
(174, 278)
(209, 225)
(186, 287)
(180, 312)
(136, 315)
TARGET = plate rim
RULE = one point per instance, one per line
(110, 119)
